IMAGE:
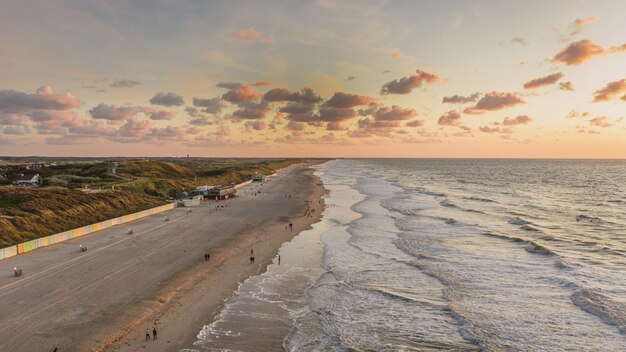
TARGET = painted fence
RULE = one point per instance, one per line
(68, 235)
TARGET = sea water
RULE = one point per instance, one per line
(454, 255)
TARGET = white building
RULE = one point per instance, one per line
(29, 180)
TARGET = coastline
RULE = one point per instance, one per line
(184, 304)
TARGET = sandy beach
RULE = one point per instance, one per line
(105, 299)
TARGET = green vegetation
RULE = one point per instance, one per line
(76, 193)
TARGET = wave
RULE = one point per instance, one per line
(600, 305)
(518, 221)
(447, 203)
(528, 228)
(534, 247)
(531, 246)
(478, 199)
(430, 193)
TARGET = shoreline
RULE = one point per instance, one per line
(189, 301)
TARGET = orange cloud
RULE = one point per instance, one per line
(494, 101)
(238, 92)
(305, 96)
(450, 118)
(600, 121)
(519, 120)
(406, 84)
(251, 35)
(346, 100)
(577, 26)
(394, 113)
(543, 81)
(457, 99)
(575, 114)
(578, 52)
(610, 90)
(566, 86)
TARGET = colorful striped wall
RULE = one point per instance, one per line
(67, 235)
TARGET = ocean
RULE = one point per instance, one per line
(445, 254)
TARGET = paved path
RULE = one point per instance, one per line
(66, 294)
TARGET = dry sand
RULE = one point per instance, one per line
(105, 298)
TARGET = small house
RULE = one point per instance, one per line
(28, 180)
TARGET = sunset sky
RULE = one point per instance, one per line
(313, 78)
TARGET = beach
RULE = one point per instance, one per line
(106, 298)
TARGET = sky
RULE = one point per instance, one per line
(318, 78)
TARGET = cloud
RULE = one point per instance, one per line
(450, 118)
(305, 96)
(577, 26)
(17, 130)
(252, 111)
(328, 114)
(238, 92)
(133, 128)
(12, 101)
(519, 40)
(351, 78)
(167, 99)
(335, 126)
(113, 112)
(296, 108)
(346, 100)
(124, 83)
(260, 84)
(255, 125)
(600, 121)
(543, 81)
(162, 115)
(406, 84)
(576, 114)
(609, 91)
(487, 129)
(578, 52)
(12, 119)
(211, 106)
(519, 120)
(415, 123)
(171, 133)
(494, 101)
(251, 35)
(566, 86)
(395, 113)
(295, 126)
(457, 99)
(508, 124)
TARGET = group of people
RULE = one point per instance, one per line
(154, 334)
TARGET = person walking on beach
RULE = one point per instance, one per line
(154, 333)
(290, 227)
(251, 251)
(279, 259)
(147, 335)
(251, 259)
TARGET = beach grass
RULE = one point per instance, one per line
(80, 193)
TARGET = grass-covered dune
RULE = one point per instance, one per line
(63, 203)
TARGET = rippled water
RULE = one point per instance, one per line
(462, 255)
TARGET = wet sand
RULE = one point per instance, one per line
(105, 298)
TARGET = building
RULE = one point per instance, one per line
(221, 192)
(40, 165)
(257, 178)
(28, 180)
